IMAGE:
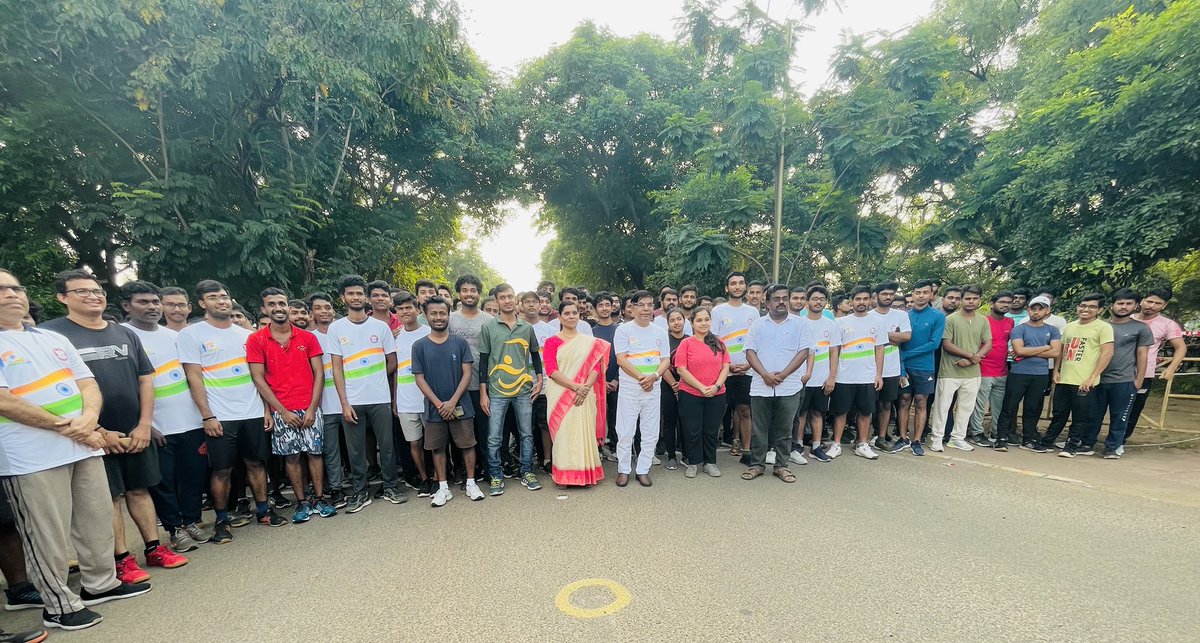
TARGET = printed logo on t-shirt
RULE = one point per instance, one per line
(209, 347)
(10, 358)
(344, 341)
(61, 355)
(1076, 349)
(374, 339)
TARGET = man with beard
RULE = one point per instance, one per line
(321, 307)
(859, 372)
(176, 307)
(754, 295)
(967, 340)
(606, 329)
(670, 300)
(994, 371)
(1165, 330)
(1034, 343)
(688, 300)
(1132, 340)
(732, 322)
(467, 323)
(899, 330)
(798, 301)
(1017, 311)
(298, 314)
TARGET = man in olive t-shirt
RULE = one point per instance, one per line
(1087, 349)
(967, 339)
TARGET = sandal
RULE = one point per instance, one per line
(751, 473)
(785, 475)
(736, 449)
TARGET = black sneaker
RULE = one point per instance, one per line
(338, 499)
(1085, 450)
(358, 502)
(222, 533)
(980, 441)
(1033, 446)
(279, 500)
(426, 489)
(23, 597)
(1068, 452)
(124, 590)
(244, 507)
(1000, 445)
(80, 620)
(272, 519)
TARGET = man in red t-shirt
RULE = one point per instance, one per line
(994, 369)
(285, 364)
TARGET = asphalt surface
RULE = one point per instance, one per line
(902, 548)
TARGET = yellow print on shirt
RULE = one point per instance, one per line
(512, 387)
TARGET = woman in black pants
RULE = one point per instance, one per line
(670, 434)
(703, 364)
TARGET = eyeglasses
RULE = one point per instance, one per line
(1088, 307)
(16, 289)
(88, 292)
(175, 306)
(218, 298)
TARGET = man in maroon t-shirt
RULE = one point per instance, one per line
(285, 364)
(994, 369)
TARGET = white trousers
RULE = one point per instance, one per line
(630, 409)
(968, 390)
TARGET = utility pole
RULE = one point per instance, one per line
(779, 178)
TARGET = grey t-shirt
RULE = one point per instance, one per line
(469, 329)
(1126, 339)
(116, 357)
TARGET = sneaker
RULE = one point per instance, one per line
(818, 453)
(239, 519)
(182, 542)
(1033, 446)
(795, 457)
(547, 467)
(426, 489)
(712, 470)
(672, 464)
(474, 492)
(530, 482)
(899, 445)
(23, 597)
(496, 487)
(279, 500)
(936, 445)
(878, 443)
(834, 450)
(690, 471)
(162, 556)
(129, 572)
(509, 471)
(1000, 446)
(864, 450)
(395, 496)
(1060, 445)
(124, 590)
(243, 506)
(302, 514)
(917, 448)
(1068, 452)
(770, 459)
(324, 509)
(980, 441)
(80, 620)
(1085, 451)
(198, 533)
(607, 454)
(338, 499)
(413, 483)
(1111, 455)
(441, 497)
(272, 519)
(654, 462)
(1120, 450)
(221, 533)
(358, 503)
(960, 444)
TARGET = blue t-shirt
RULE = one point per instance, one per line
(928, 327)
(441, 364)
(1033, 337)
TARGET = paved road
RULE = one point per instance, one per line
(902, 548)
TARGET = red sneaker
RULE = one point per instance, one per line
(129, 572)
(161, 556)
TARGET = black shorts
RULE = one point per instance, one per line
(246, 438)
(814, 400)
(132, 470)
(737, 389)
(860, 397)
(890, 391)
(6, 514)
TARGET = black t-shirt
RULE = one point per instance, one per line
(608, 333)
(441, 364)
(116, 358)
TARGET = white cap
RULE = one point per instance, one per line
(1041, 299)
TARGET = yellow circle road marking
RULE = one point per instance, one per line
(621, 598)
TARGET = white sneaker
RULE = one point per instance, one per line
(1120, 450)
(441, 498)
(655, 462)
(935, 444)
(834, 450)
(770, 457)
(607, 454)
(797, 458)
(1061, 445)
(960, 444)
(474, 492)
(863, 449)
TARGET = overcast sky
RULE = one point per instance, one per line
(506, 33)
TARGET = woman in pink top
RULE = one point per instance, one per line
(703, 365)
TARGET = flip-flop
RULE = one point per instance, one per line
(785, 475)
(751, 473)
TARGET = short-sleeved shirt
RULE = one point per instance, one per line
(859, 337)
(174, 410)
(645, 347)
(1081, 350)
(775, 344)
(894, 321)
(1164, 329)
(1033, 337)
(43, 368)
(704, 365)
(221, 355)
(408, 397)
(441, 365)
(469, 328)
(115, 356)
(288, 369)
(732, 324)
(995, 363)
(364, 348)
(826, 334)
(1127, 338)
(543, 331)
(968, 335)
(330, 403)
(510, 356)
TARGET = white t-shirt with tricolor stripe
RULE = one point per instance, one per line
(221, 354)
(825, 333)
(42, 368)
(174, 410)
(330, 404)
(860, 336)
(408, 397)
(645, 347)
(364, 349)
(895, 321)
(732, 324)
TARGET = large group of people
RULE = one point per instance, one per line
(432, 388)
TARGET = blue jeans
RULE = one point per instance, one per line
(1116, 399)
(523, 409)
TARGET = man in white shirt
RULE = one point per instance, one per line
(320, 305)
(643, 355)
(776, 347)
(410, 402)
(731, 322)
(859, 373)
(899, 330)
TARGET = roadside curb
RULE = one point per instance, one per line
(1024, 472)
